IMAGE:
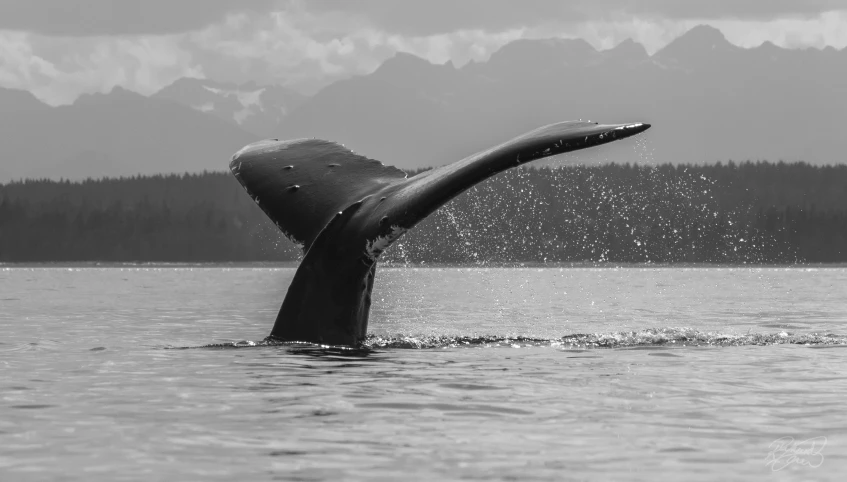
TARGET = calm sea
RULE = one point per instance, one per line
(637, 373)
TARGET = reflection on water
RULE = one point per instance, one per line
(635, 373)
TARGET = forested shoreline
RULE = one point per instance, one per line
(723, 213)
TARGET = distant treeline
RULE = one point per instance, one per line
(723, 213)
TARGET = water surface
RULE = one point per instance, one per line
(634, 373)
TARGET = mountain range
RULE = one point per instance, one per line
(707, 99)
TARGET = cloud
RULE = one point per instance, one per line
(119, 17)
(442, 16)
(307, 50)
(822, 30)
(828, 29)
(58, 70)
(411, 18)
(308, 44)
(292, 47)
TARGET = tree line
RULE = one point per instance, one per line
(719, 213)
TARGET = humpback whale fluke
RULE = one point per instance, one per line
(345, 209)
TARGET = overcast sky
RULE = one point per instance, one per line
(58, 49)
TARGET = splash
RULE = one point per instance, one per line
(375, 247)
(656, 337)
(611, 213)
(651, 337)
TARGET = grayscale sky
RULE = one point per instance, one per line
(58, 49)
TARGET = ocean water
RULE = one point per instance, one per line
(572, 373)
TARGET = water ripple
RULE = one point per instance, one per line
(656, 337)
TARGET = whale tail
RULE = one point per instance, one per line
(344, 210)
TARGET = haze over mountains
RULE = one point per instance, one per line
(708, 100)
(258, 109)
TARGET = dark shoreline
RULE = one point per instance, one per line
(724, 214)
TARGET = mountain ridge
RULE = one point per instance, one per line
(708, 99)
(120, 133)
(255, 108)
